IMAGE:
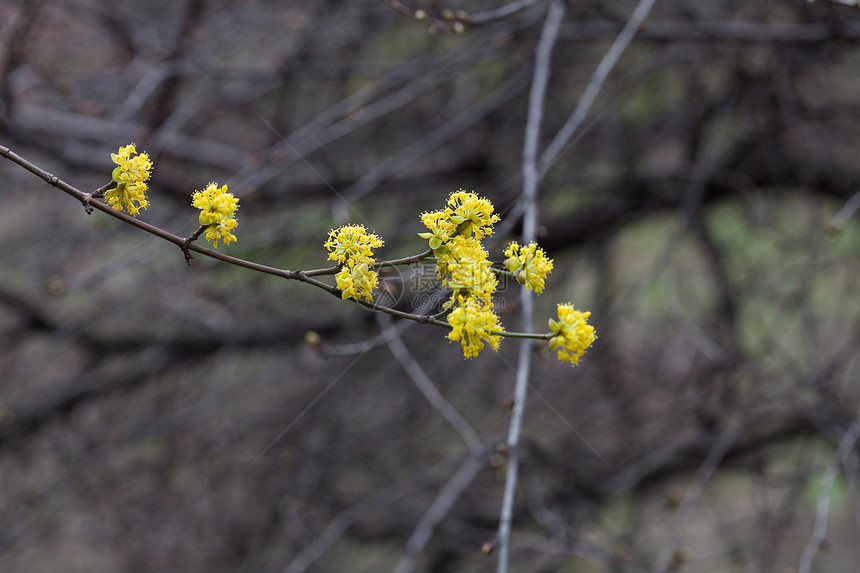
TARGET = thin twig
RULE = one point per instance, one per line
(190, 239)
(362, 510)
(852, 3)
(500, 13)
(341, 120)
(185, 245)
(97, 194)
(714, 31)
(694, 492)
(428, 389)
(846, 444)
(845, 213)
(461, 480)
(554, 16)
(447, 129)
(557, 145)
(437, 511)
(404, 261)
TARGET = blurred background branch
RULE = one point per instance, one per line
(156, 417)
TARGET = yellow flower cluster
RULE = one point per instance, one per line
(572, 334)
(462, 265)
(217, 212)
(455, 234)
(529, 264)
(217, 206)
(352, 246)
(465, 214)
(465, 269)
(473, 322)
(130, 176)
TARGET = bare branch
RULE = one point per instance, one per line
(341, 522)
(437, 511)
(428, 389)
(558, 144)
(846, 444)
(555, 14)
(694, 491)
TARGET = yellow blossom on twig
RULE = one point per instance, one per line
(572, 334)
(529, 264)
(471, 214)
(465, 214)
(465, 269)
(440, 227)
(472, 323)
(130, 175)
(351, 245)
(357, 282)
(217, 212)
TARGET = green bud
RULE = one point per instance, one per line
(441, 251)
(313, 338)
